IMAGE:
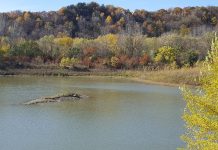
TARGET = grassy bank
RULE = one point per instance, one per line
(165, 77)
(175, 77)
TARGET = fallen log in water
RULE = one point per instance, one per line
(59, 98)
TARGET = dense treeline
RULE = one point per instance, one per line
(120, 51)
(92, 20)
(97, 36)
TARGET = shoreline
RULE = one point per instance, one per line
(174, 78)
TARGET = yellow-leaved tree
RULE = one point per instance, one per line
(110, 41)
(4, 45)
(64, 44)
(201, 112)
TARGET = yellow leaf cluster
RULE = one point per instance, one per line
(68, 61)
(64, 41)
(201, 113)
(110, 40)
(166, 54)
(4, 45)
(108, 20)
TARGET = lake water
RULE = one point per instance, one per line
(118, 115)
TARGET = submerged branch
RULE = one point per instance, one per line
(54, 99)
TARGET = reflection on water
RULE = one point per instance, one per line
(118, 115)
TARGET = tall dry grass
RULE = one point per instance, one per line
(187, 76)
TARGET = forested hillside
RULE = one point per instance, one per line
(107, 37)
(91, 20)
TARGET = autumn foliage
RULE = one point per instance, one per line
(201, 112)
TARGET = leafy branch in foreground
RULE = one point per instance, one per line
(201, 112)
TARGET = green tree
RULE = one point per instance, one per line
(74, 52)
(27, 48)
(187, 58)
(201, 112)
(192, 58)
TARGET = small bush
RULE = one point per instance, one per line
(166, 54)
(115, 62)
(65, 62)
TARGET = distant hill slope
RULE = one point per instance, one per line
(91, 20)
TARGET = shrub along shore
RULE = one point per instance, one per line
(168, 59)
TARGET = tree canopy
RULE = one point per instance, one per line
(89, 20)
